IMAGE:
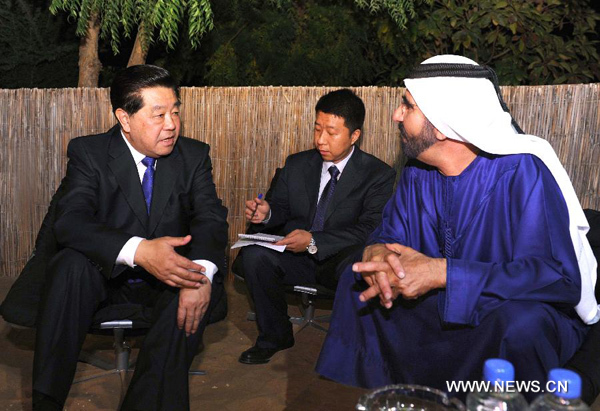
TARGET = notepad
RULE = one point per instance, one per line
(267, 238)
(261, 239)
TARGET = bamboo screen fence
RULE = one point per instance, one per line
(251, 131)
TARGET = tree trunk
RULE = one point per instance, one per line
(89, 62)
(139, 52)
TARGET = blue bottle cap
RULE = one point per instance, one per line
(496, 369)
(565, 383)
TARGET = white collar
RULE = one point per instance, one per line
(137, 156)
(339, 165)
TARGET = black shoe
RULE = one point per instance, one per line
(258, 355)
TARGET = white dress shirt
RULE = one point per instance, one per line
(127, 253)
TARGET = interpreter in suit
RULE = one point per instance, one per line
(138, 220)
(326, 201)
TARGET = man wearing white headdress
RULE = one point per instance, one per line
(484, 240)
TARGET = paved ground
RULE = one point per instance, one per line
(288, 382)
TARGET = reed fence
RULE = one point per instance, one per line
(251, 131)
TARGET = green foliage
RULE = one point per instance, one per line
(200, 20)
(399, 10)
(336, 42)
(223, 67)
(526, 42)
(304, 42)
(121, 18)
(312, 43)
(33, 50)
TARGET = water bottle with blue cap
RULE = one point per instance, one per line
(566, 385)
(501, 394)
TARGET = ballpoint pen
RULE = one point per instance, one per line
(260, 196)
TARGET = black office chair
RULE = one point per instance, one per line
(20, 307)
(309, 294)
(118, 320)
(122, 351)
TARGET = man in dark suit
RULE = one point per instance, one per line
(326, 201)
(138, 220)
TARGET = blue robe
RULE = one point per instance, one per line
(512, 281)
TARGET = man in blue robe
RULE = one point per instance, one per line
(484, 240)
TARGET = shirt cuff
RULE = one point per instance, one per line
(267, 218)
(127, 253)
(211, 269)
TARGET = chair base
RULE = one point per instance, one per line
(307, 309)
(308, 318)
(122, 364)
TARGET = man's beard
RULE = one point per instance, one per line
(413, 146)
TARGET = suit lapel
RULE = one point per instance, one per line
(125, 171)
(312, 179)
(350, 178)
(167, 169)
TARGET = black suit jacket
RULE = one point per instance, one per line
(103, 205)
(99, 205)
(362, 191)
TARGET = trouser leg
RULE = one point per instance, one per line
(535, 338)
(370, 346)
(74, 289)
(266, 273)
(586, 362)
(160, 380)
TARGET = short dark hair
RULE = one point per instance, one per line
(125, 91)
(343, 103)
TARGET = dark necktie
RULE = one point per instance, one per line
(326, 197)
(148, 180)
(147, 183)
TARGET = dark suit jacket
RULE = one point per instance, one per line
(103, 205)
(355, 210)
(100, 205)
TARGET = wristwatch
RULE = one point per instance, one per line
(312, 246)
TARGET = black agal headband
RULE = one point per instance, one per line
(463, 70)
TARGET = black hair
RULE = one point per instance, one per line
(126, 88)
(345, 104)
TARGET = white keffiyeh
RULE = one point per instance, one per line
(468, 110)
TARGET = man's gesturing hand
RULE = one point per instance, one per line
(381, 269)
(423, 273)
(193, 303)
(159, 258)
